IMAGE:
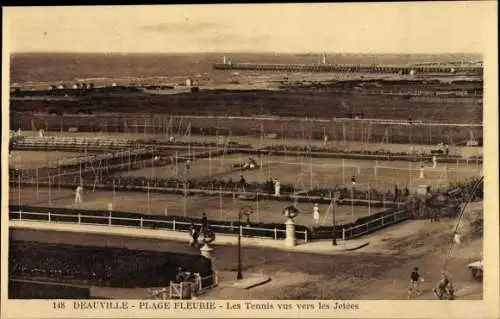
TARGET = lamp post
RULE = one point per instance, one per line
(247, 211)
(353, 181)
(335, 197)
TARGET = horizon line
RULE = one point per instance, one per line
(246, 52)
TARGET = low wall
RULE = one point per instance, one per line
(25, 289)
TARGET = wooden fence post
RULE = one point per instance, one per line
(275, 233)
(343, 233)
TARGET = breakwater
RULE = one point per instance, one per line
(327, 68)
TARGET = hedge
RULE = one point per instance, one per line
(100, 266)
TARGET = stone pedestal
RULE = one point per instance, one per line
(290, 239)
(206, 251)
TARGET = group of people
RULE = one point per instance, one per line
(443, 290)
(195, 232)
(189, 281)
(250, 164)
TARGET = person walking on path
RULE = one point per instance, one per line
(195, 233)
(415, 280)
(204, 223)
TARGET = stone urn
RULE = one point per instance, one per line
(290, 212)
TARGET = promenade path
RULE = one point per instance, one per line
(318, 247)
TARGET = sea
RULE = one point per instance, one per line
(40, 69)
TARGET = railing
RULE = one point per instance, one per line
(145, 223)
(185, 289)
(372, 225)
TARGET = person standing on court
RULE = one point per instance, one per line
(422, 172)
(242, 183)
(396, 193)
(316, 214)
(277, 188)
(78, 194)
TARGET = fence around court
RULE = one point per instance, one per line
(347, 129)
(224, 192)
(212, 149)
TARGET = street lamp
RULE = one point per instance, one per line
(247, 211)
(335, 197)
(353, 182)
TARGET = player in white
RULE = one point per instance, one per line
(78, 194)
(422, 172)
(250, 164)
(325, 139)
(434, 161)
(277, 187)
(41, 133)
(316, 214)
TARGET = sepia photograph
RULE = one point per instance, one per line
(249, 160)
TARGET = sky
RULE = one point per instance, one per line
(452, 27)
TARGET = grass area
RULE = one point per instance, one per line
(281, 103)
(227, 209)
(307, 173)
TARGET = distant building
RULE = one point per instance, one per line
(61, 86)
